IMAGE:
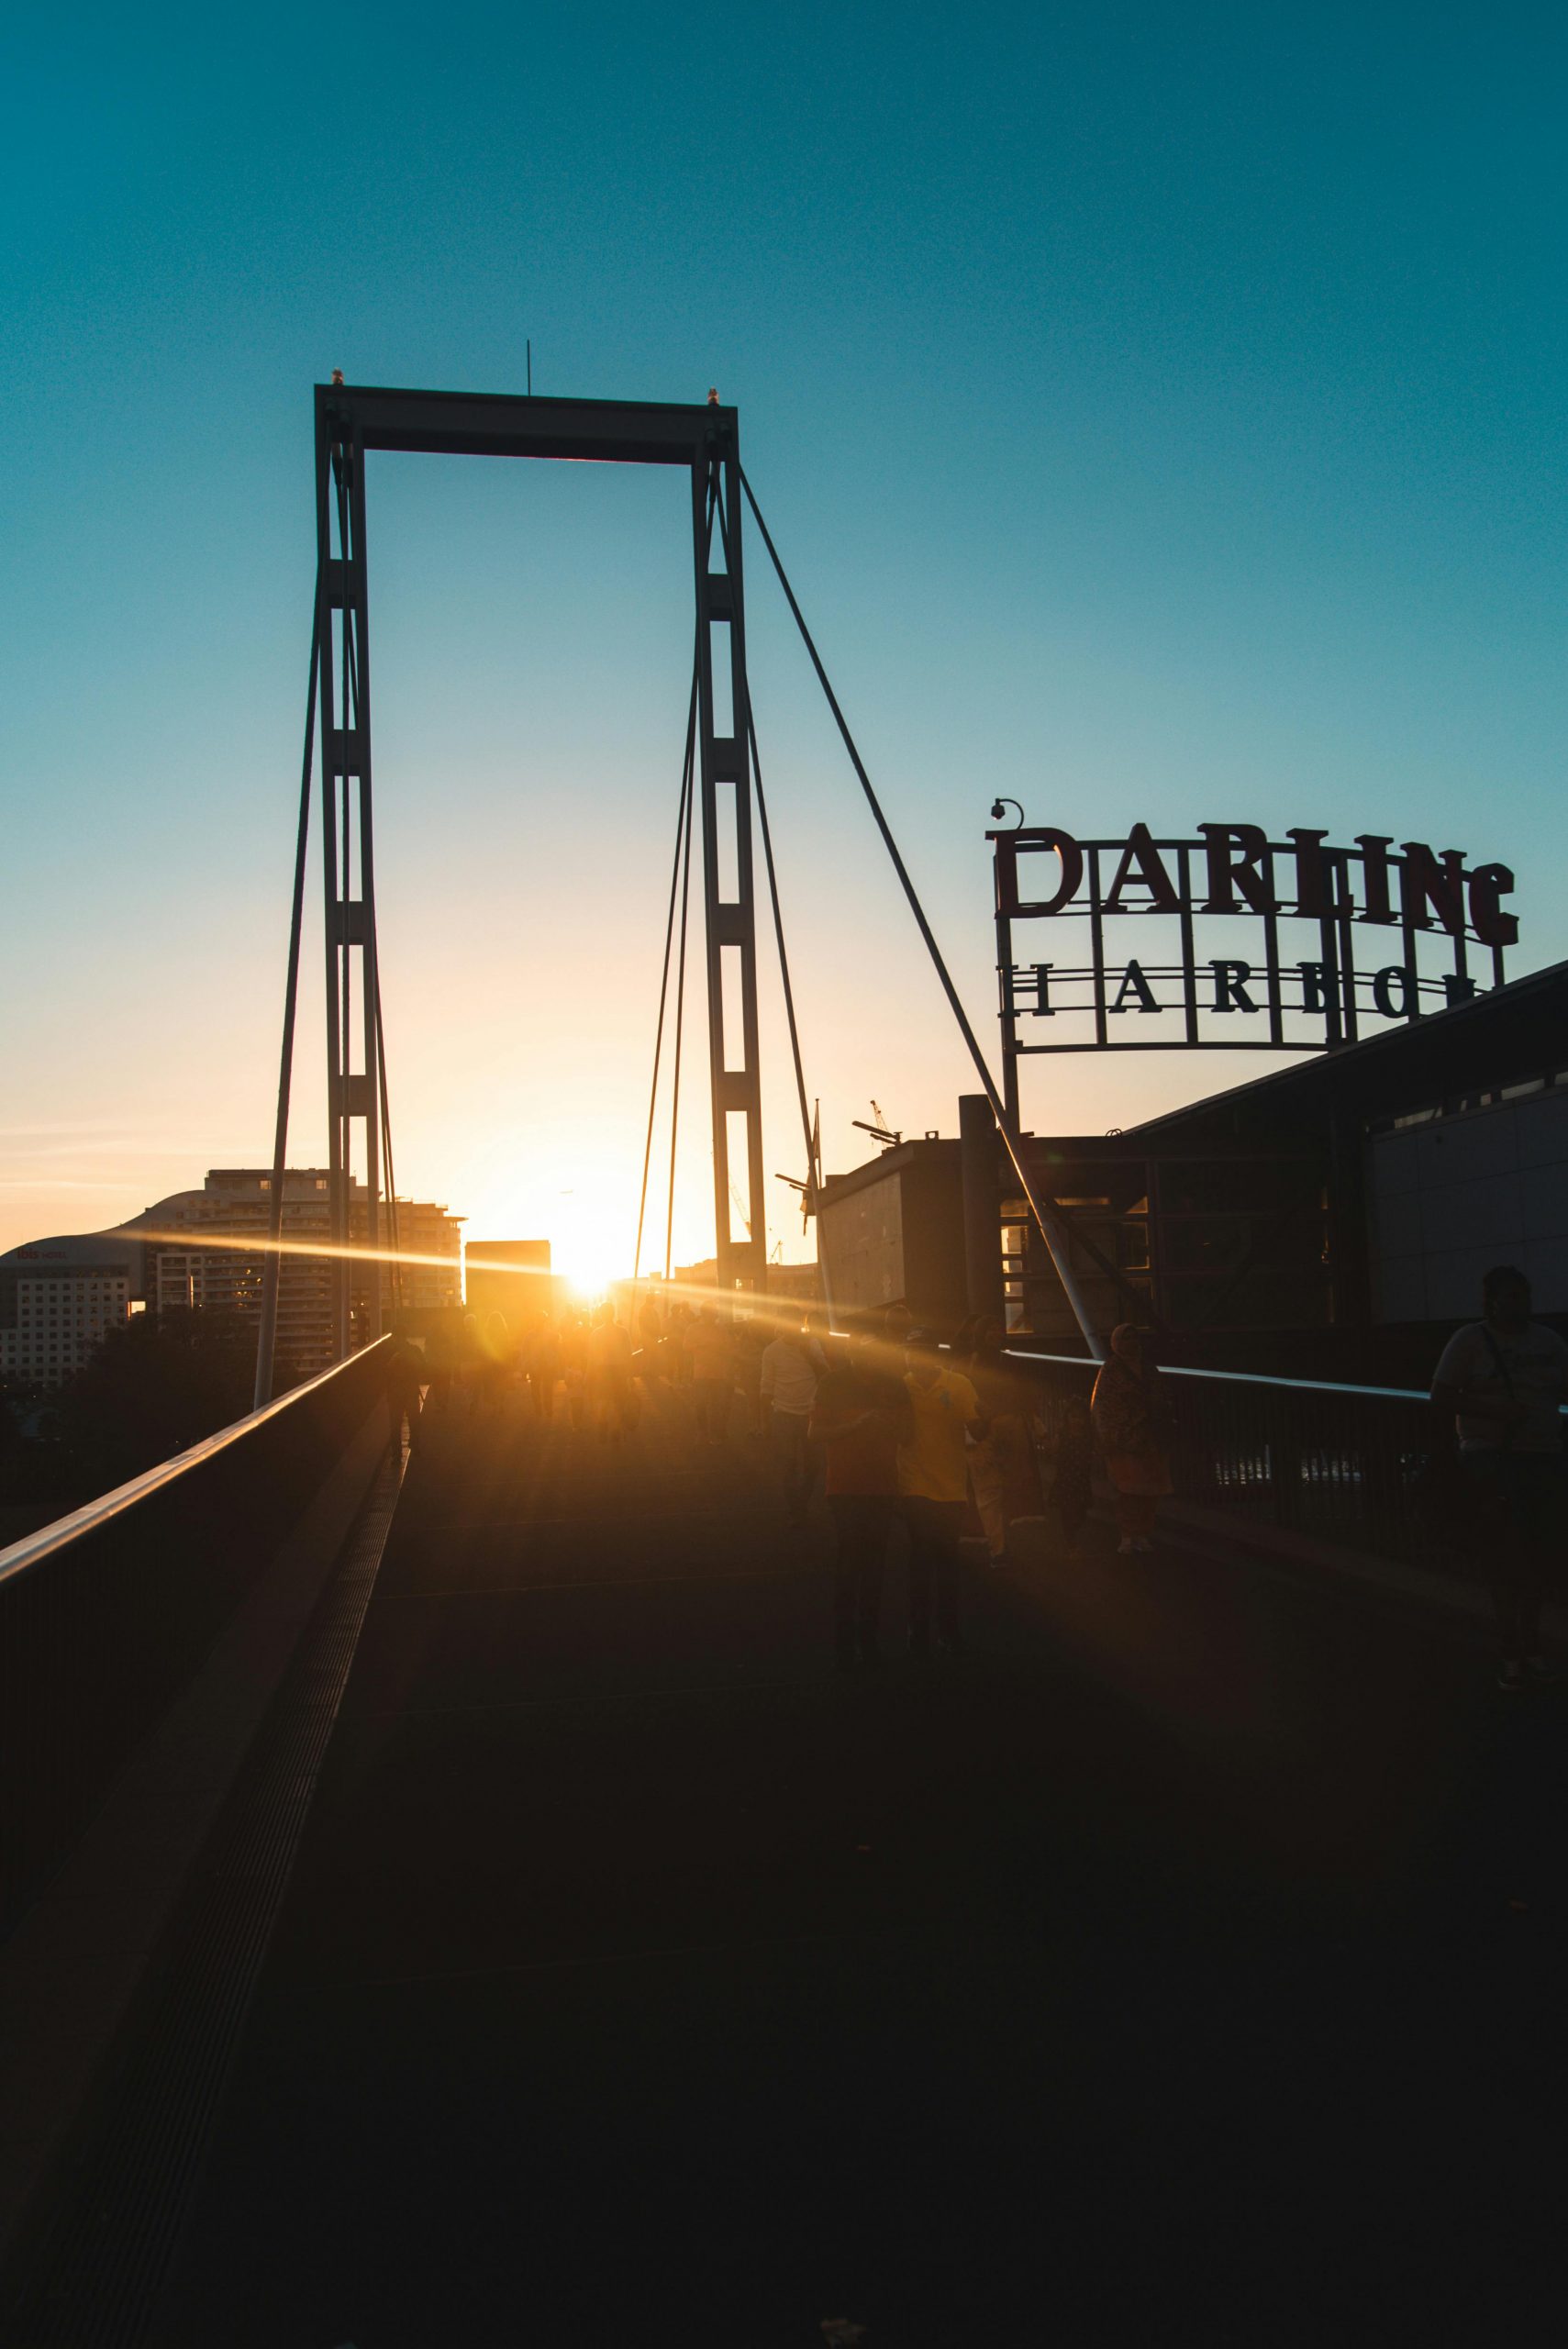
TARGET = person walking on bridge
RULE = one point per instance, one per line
(933, 1480)
(609, 1373)
(791, 1368)
(650, 1343)
(1003, 1472)
(711, 1346)
(859, 1415)
(1503, 1380)
(541, 1360)
(1132, 1428)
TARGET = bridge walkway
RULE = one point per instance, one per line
(1183, 1962)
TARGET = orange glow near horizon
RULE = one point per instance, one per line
(587, 1287)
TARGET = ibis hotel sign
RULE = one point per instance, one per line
(1232, 938)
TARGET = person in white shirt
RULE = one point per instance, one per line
(791, 1368)
(1504, 1379)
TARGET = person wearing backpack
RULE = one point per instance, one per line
(1504, 1379)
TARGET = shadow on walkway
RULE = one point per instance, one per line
(1184, 1963)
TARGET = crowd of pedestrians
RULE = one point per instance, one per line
(914, 1446)
(1499, 1386)
(924, 1452)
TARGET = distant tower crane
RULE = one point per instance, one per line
(888, 1136)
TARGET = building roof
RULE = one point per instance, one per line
(1510, 1034)
(928, 1150)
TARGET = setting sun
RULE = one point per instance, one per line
(586, 1252)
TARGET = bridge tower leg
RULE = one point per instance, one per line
(725, 783)
(347, 863)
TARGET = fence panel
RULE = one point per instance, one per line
(1338, 1463)
(104, 1616)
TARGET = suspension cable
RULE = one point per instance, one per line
(266, 1335)
(1051, 1229)
(387, 1148)
(682, 819)
(685, 895)
(680, 1022)
(783, 959)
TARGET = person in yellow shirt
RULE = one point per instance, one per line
(934, 1489)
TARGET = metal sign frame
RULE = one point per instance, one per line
(1241, 872)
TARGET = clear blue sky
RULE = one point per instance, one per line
(1160, 410)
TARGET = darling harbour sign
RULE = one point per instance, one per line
(1232, 938)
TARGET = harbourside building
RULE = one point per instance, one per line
(1332, 1218)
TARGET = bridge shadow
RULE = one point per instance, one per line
(641, 1979)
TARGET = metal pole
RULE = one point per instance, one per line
(1009, 1002)
(982, 1205)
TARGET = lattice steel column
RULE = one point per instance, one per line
(725, 782)
(347, 856)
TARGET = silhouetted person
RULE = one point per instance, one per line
(650, 1326)
(467, 1363)
(749, 1350)
(575, 1369)
(677, 1342)
(442, 1350)
(710, 1348)
(1074, 1452)
(609, 1373)
(541, 1360)
(859, 1415)
(1003, 1472)
(933, 1482)
(1132, 1427)
(791, 1367)
(1503, 1379)
(405, 1391)
(495, 1357)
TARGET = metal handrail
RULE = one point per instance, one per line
(34, 1549)
(1251, 1378)
(1237, 1377)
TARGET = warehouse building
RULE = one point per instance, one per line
(1332, 1218)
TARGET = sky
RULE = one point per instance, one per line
(1158, 409)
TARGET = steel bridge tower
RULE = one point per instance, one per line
(351, 422)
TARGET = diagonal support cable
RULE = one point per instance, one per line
(1044, 1209)
(396, 1266)
(267, 1332)
(682, 821)
(680, 1023)
(681, 954)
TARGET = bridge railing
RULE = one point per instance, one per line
(1335, 1463)
(106, 1614)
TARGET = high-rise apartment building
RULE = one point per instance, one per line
(235, 1204)
(188, 1251)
